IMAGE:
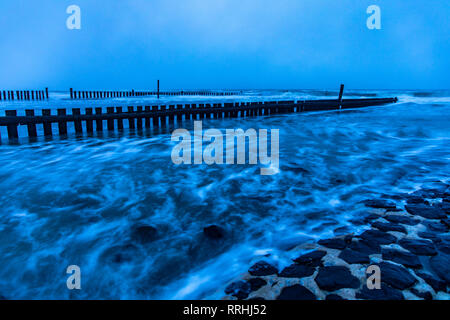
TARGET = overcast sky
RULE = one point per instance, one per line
(224, 44)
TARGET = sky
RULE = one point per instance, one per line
(224, 44)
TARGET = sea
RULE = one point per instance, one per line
(78, 200)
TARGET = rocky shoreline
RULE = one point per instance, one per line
(408, 238)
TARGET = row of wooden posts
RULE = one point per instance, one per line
(159, 115)
(124, 94)
(9, 95)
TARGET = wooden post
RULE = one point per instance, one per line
(47, 125)
(62, 125)
(155, 117)
(158, 89)
(77, 123)
(171, 115)
(12, 128)
(119, 120)
(110, 122)
(32, 132)
(131, 123)
(341, 92)
(98, 122)
(147, 118)
(180, 114)
(46, 93)
(139, 120)
(89, 123)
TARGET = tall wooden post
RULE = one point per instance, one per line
(157, 92)
(341, 92)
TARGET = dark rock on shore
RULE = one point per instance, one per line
(396, 276)
(378, 237)
(365, 247)
(425, 211)
(430, 235)
(350, 256)
(336, 277)
(333, 297)
(239, 289)
(262, 268)
(256, 283)
(144, 234)
(214, 232)
(380, 204)
(444, 246)
(436, 283)
(435, 226)
(397, 218)
(446, 222)
(424, 295)
(389, 227)
(441, 266)
(335, 243)
(405, 258)
(385, 293)
(418, 246)
(312, 259)
(296, 292)
(297, 271)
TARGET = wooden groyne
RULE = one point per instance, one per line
(162, 115)
(10, 95)
(89, 94)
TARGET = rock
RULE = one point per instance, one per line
(444, 207)
(256, 283)
(416, 200)
(405, 258)
(337, 242)
(435, 226)
(336, 277)
(424, 295)
(313, 258)
(380, 204)
(444, 247)
(440, 264)
(379, 237)
(446, 222)
(385, 293)
(297, 271)
(296, 292)
(396, 276)
(351, 256)
(214, 232)
(429, 235)
(144, 234)
(262, 268)
(371, 217)
(436, 283)
(418, 246)
(425, 211)
(396, 218)
(333, 297)
(239, 289)
(342, 231)
(389, 227)
(334, 243)
(365, 247)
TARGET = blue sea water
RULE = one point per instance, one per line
(76, 200)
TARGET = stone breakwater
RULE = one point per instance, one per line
(408, 238)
